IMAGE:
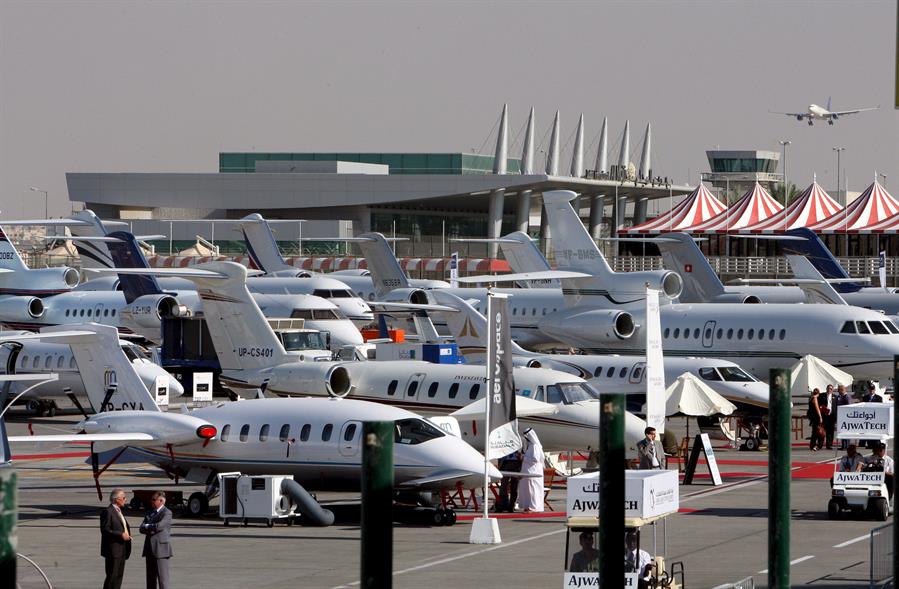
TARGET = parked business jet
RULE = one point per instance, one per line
(317, 441)
(425, 387)
(758, 337)
(30, 356)
(820, 113)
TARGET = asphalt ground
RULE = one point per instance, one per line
(720, 535)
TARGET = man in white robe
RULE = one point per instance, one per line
(530, 488)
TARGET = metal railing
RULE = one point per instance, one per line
(881, 555)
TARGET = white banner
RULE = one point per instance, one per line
(202, 387)
(858, 478)
(865, 420)
(592, 580)
(655, 368)
(647, 493)
(454, 270)
(161, 390)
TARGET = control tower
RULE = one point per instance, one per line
(735, 172)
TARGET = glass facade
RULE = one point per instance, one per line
(743, 165)
(400, 163)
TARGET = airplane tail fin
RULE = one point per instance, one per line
(821, 258)
(111, 382)
(261, 244)
(468, 327)
(93, 254)
(523, 255)
(10, 260)
(126, 253)
(240, 333)
(386, 272)
(828, 103)
(681, 254)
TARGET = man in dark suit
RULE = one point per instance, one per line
(115, 539)
(650, 451)
(157, 527)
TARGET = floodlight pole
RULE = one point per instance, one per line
(779, 479)
(377, 505)
(611, 488)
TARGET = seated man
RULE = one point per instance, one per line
(637, 560)
(852, 461)
(878, 461)
(585, 560)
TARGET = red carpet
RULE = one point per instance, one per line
(522, 515)
(814, 471)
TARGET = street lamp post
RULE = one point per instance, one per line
(783, 145)
(36, 189)
(839, 150)
(883, 180)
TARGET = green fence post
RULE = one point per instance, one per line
(377, 505)
(611, 490)
(779, 444)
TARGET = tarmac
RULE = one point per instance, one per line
(720, 534)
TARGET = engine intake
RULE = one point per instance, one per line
(21, 309)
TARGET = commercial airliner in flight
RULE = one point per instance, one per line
(821, 113)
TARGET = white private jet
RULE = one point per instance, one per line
(815, 112)
(317, 441)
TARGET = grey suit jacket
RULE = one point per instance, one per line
(158, 530)
(643, 453)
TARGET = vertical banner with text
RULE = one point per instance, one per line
(502, 426)
(454, 270)
(655, 368)
(882, 270)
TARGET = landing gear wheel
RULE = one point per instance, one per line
(227, 523)
(833, 509)
(450, 517)
(136, 504)
(198, 504)
(270, 523)
(51, 410)
(880, 509)
(752, 444)
(438, 518)
(33, 407)
(244, 523)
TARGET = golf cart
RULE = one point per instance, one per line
(864, 490)
(650, 496)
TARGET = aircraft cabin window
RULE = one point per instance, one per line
(667, 332)
(226, 431)
(676, 332)
(412, 388)
(263, 432)
(473, 391)
(285, 432)
(730, 333)
(60, 363)
(709, 374)
(708, 333)
(598, 372)
(89, 312)
(720, 333)
(244, 432)
(739, 334)
(695, 333)
(877, 328)
(771, 334)
(610, 372)
(72, 362)
(783, 333)
(622, 372)
(304, 433)
(106, 312)
(533, 311)
(112, 312)
(81, 313)
(848, 327)
(67, 312)
(432, 390)
(35, 362)
(25, 361)
(391, 388)
(349, 433)
(48, 362)
(638, 372)
(544, 311)
(453, 390)
(326, 432)
(751, 334)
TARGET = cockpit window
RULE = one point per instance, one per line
(324, 314)
(862, 327)
(415, 431)
(342, 294)
(848, 327)
(734, 374)
(877, 327)
(709, 374)
(301, 314)
(129, 353)
(304, 340)
(570, 392)
(891, 326)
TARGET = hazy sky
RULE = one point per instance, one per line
(165, 86)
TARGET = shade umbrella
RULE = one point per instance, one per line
(812, 372)
(690, 396)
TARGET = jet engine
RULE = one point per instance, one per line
(13, 309)
(630, 286)
(291, 273)
(590, 326)
(169, 428)
(739, 298)
(311, 378)
(415, 296)
(146, 311)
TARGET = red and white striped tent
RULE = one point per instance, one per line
(872, 207)
(699, 206)
(752, 208)
(810, 207)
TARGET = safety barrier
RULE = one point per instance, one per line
(881, 555)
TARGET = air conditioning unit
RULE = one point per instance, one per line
(247, 498)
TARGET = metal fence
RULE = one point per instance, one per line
(881, 555)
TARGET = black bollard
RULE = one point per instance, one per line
(377, 505)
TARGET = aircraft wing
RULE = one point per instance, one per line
(524, 276)
(441, 478)
(790, 114)
(179, 272)
(524, 407)
(65, 438)
(841, 113)
(384, 307)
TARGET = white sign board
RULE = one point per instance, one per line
(858, 478)
(202, 387)
(592, 580)
(865, 420)
(161, 388)
(655, 368)
(647, 493)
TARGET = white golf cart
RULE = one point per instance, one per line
(864, 490)
(650, 496)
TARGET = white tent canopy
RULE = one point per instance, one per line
(688, 395)
(812, 372)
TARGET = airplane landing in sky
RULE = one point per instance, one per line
(821, 113)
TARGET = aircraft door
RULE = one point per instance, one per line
(9, 355)
(637, 373)
(708, 334)
(413, 386)
(350, 434)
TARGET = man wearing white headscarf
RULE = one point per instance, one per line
(530, 489)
